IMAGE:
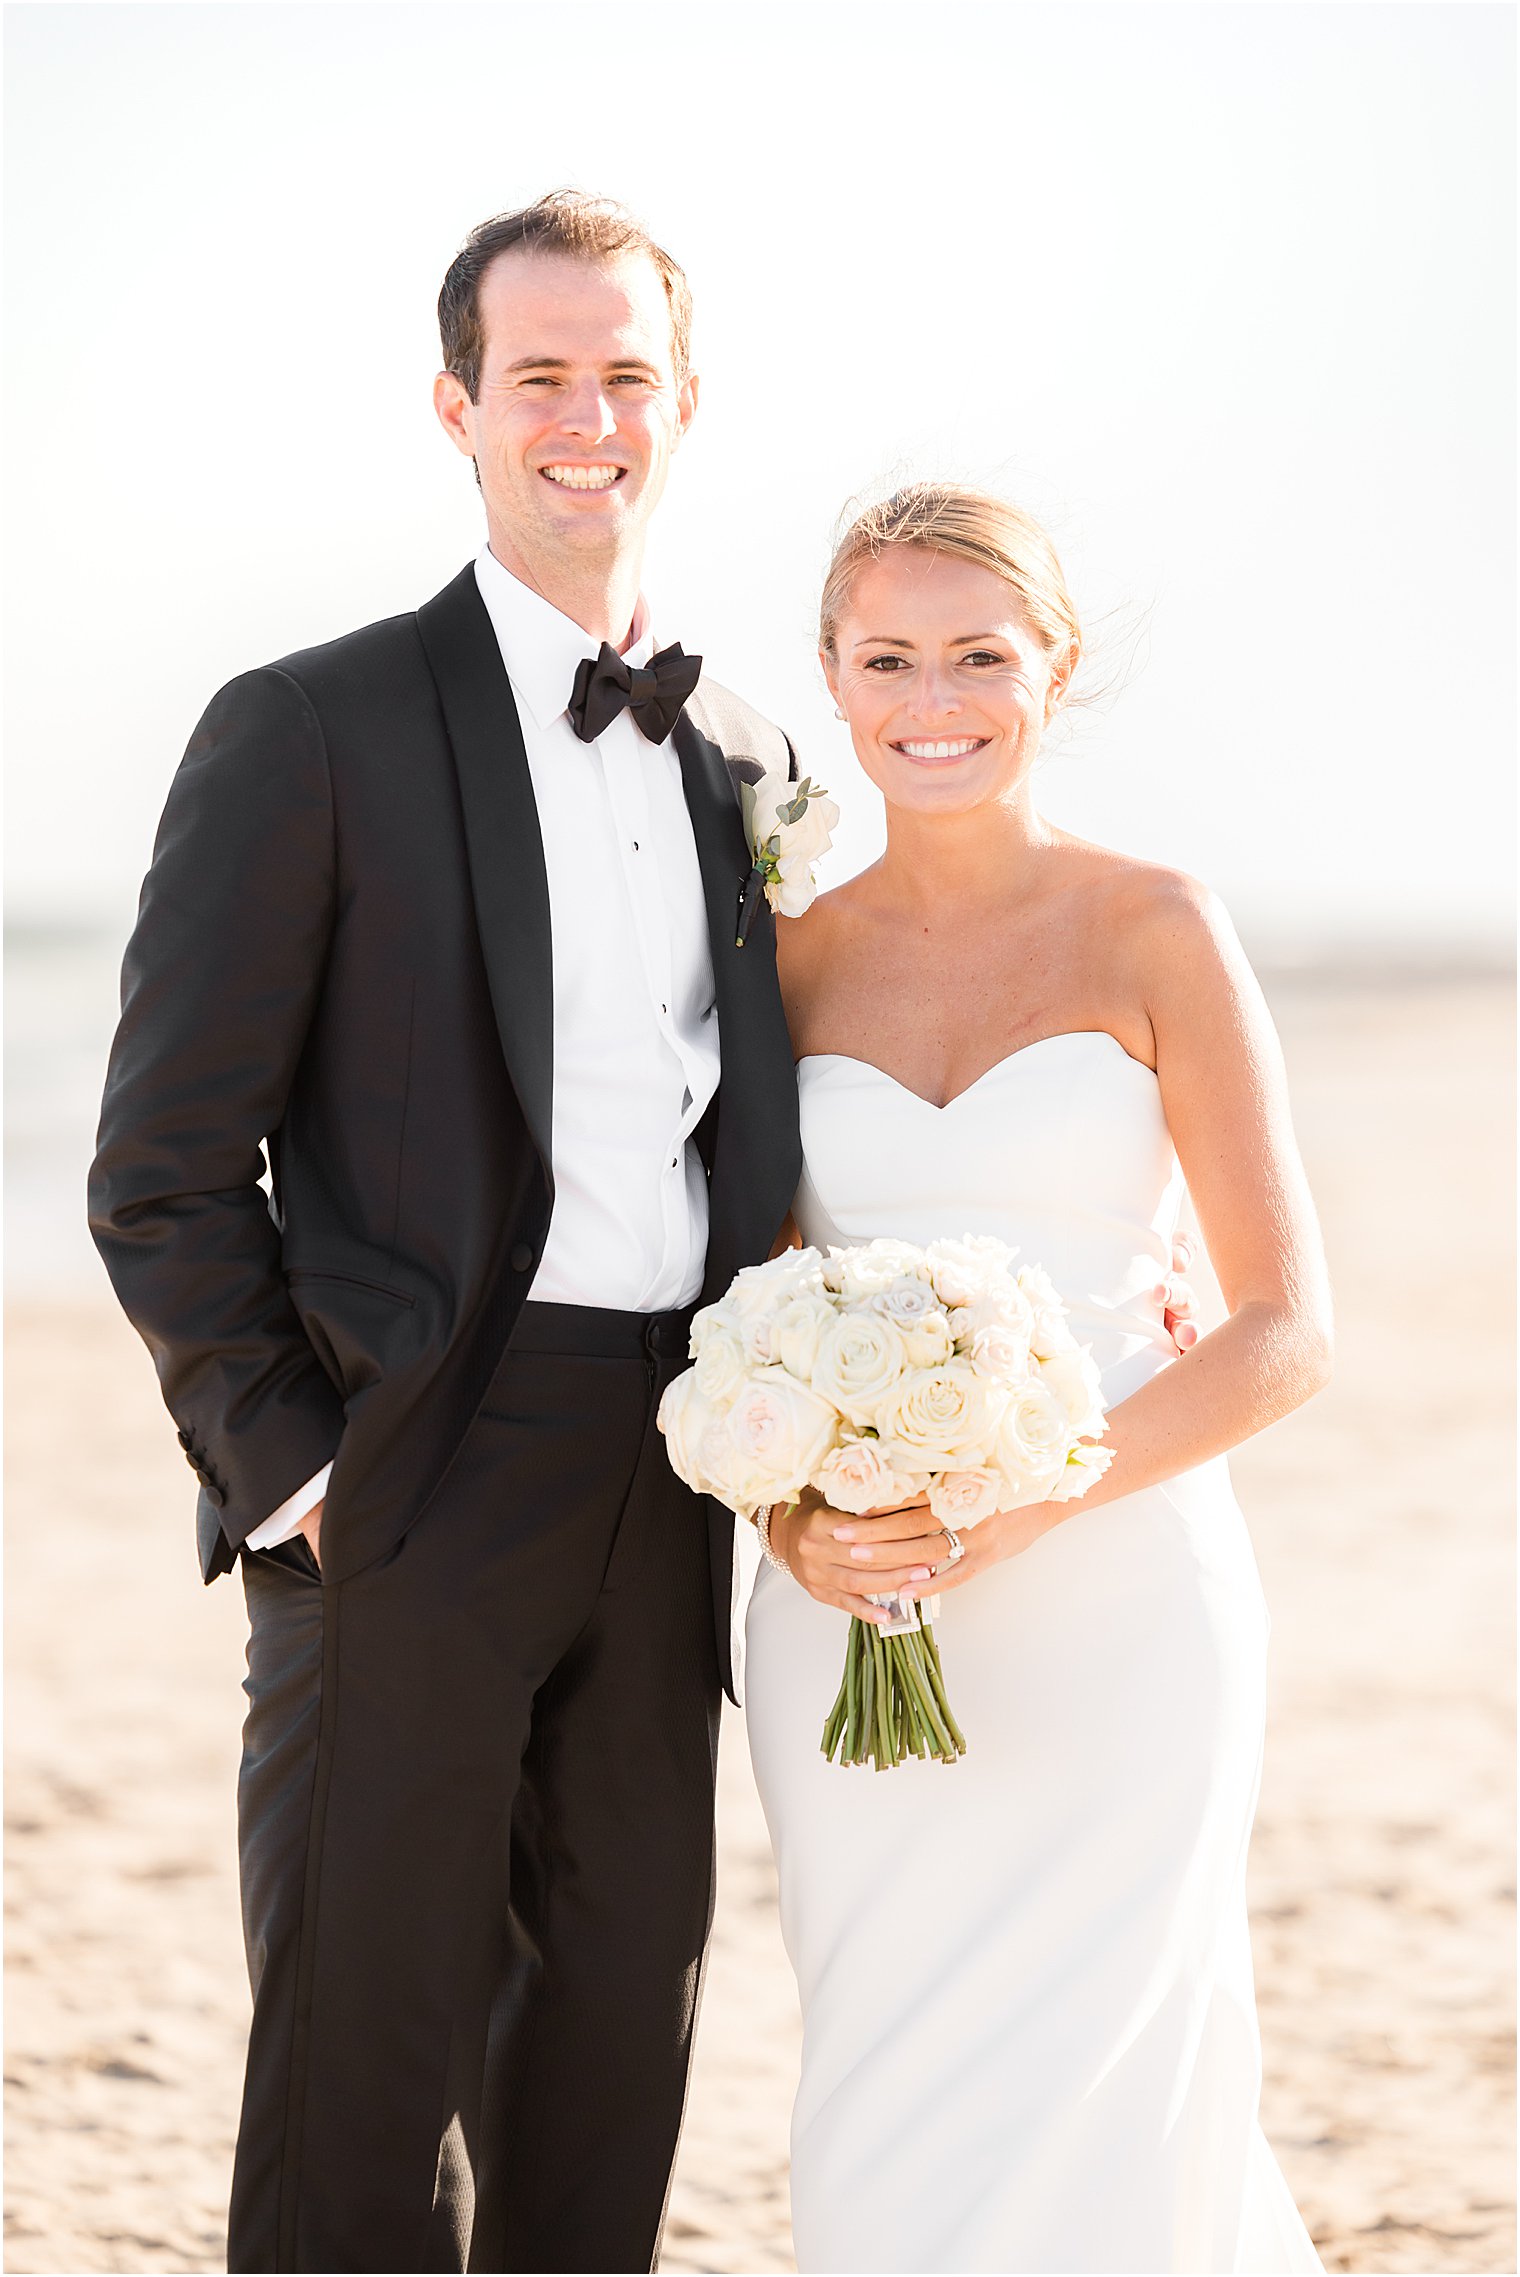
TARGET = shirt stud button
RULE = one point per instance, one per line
(522, 1257)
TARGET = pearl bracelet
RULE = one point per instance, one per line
(763, 1529)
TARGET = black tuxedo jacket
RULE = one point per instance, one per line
(342, 955)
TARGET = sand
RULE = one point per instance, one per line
(1382, 1872)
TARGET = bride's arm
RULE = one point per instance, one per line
(1225, 1093)
(1226, 1098)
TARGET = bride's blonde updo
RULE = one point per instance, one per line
(941, 517)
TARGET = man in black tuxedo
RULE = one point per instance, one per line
(442, 916)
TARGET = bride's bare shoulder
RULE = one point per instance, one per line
(1168, 939)
(808, 947)
(1125, 888)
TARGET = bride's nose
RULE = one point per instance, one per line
(935, 697)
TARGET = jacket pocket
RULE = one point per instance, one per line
(349, 1281)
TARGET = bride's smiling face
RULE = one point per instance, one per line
(946, 686)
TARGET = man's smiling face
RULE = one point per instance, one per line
(579, 407)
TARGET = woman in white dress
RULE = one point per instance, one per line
(1030, 2037)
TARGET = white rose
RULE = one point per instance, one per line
(727, 1474)
(684, 1417)
(797, 1330)
(860, 1359)
(757, 1288)
(712, 1320)
(929, 1344)
(804, 839)
(794, 891)
(914, 1310)
(1083, 1465)
(964, 1271)
(1048, 1333)
(963, 1498)
(939, 1418)
(781, 1432)
(997, 1348)
(1031, 1444)
(871, 1266)
(758, 1292)
(720, 1367)
(1002, 1300)
(855, 1476)
(1074, 1379)
(904, 1301)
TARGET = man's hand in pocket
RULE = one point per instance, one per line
(311, 1527)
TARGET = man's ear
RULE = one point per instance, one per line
(456, 413)
(686, 404)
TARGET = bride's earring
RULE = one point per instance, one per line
(838, 714)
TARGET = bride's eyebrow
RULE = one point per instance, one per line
(882, 640)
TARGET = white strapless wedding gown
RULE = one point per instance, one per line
(1030, 2037)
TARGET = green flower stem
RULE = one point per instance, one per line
(891, 1701)
(835, 1723)
(835, 1719)
(867, 1702)
(883, 1749)
(852, 1674)
(938, 1731)
(941, 1698)
(920, 1730)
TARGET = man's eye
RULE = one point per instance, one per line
(540, 379)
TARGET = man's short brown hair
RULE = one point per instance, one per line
(565, 221)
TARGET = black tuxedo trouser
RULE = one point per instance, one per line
(476, 1817)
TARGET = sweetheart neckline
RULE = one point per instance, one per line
(1059, 1036)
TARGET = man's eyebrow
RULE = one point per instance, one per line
(562, 364)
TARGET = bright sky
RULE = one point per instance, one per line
(1223, 293)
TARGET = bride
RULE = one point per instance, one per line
(1030, 2038)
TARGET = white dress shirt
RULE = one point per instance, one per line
(635, 1022)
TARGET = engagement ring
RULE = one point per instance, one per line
(957, 1546)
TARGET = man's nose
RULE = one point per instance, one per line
(586, 411)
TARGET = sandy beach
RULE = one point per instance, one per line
(1382, 1876)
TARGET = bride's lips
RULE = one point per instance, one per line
(940, 750)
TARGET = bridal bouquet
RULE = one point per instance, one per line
(875, 1374)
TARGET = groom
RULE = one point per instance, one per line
(441, 916)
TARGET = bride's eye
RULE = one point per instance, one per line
(885, 663)
(983, 656)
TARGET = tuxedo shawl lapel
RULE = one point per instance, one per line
(508, 878)
(757, 1153)
(718, 828)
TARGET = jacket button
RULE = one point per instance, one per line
(522, 1257)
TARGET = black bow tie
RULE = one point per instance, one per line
(653, 692)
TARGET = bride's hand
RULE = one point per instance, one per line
(1001, 1536)
(838, 1559)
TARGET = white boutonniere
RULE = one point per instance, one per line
(788, 825)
